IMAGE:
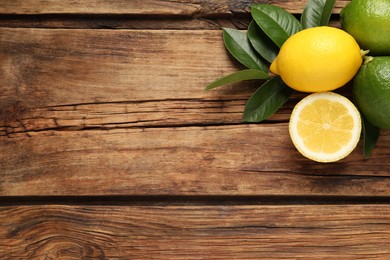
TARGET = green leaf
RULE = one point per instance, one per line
(239, 46)
(371, 135)
(262, 43)
(266, 100)
(277, 23)
(317, 13)
(238, 76)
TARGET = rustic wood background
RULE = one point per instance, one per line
(111, 149)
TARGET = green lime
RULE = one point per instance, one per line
(371, 91)
(368, 21)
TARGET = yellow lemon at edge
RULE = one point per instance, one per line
(318, 59)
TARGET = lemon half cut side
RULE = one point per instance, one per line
(325, 127)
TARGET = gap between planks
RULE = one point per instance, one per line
(116, 22)
(157, 200)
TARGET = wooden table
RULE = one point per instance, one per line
(111, 149)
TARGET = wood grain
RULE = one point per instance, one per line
(223, 160)
(83, 108)
(189, 8)
(195, 232)
(157, 14)
(120, 117)
(88, 78)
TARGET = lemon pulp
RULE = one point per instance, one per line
(325, 127)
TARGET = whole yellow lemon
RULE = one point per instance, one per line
(318, 59)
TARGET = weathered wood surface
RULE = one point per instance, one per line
(121, 14)
(195, 232)
(81, 108)
(190, 8)
(170, 171)
(225, 160)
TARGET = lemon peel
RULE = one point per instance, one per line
(318, 59)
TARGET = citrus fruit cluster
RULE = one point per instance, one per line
(309, 56)
(324, 127)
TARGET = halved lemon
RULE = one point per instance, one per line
(325, 127)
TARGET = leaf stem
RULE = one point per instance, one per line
(367, 59)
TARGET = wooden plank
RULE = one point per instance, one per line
(195, 232)
(223, 160)
(81, 108)
(134, 7)
(59, 67)
(187, 8)
(72, 78)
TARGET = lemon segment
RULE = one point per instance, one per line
(325, 127)
(318, 59)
